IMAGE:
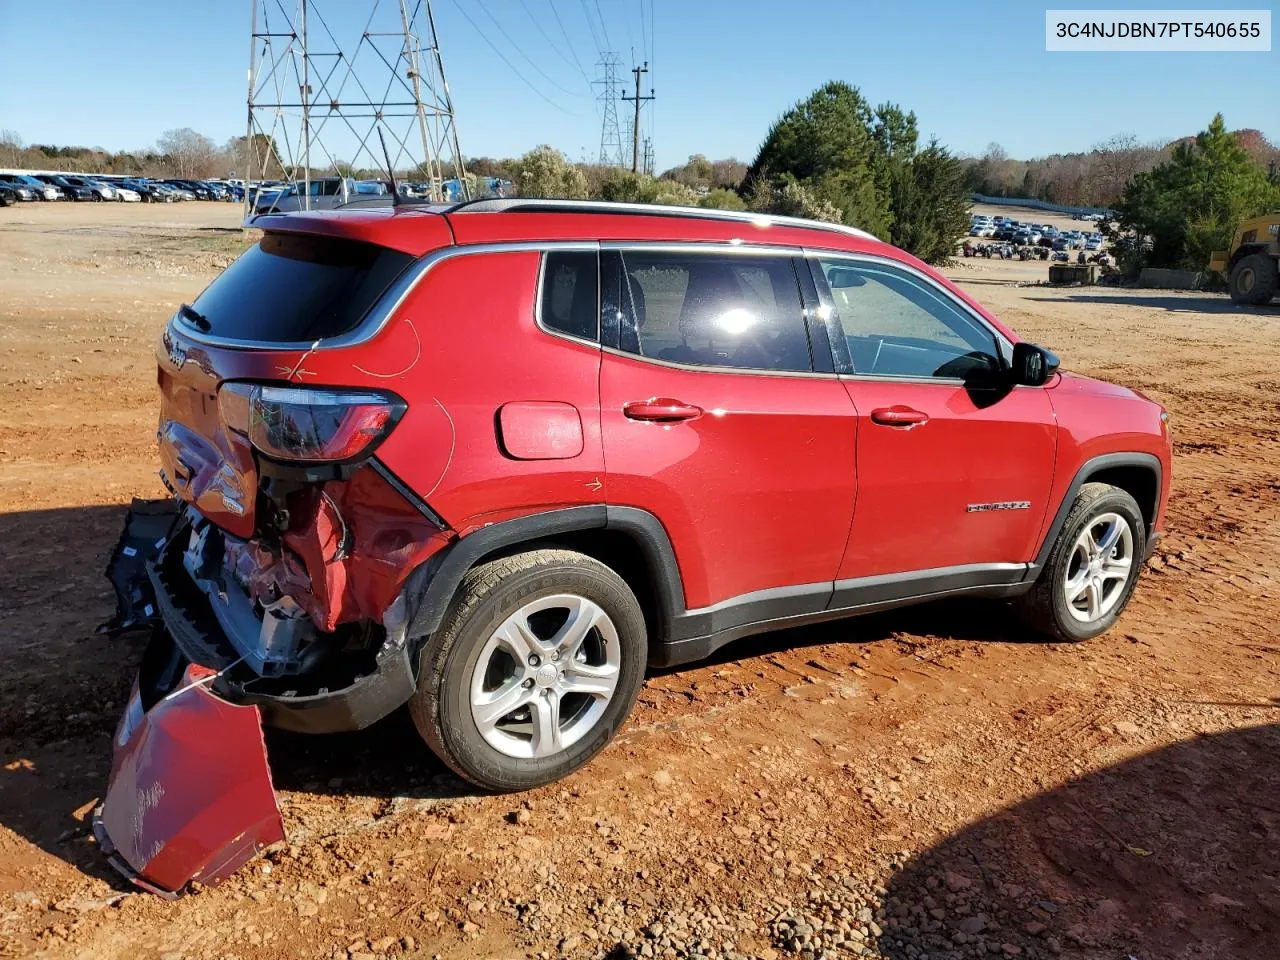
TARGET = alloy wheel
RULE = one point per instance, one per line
(1099, 569)
(545, 676)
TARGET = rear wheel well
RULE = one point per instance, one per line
(1137, 481)
(618, 551)
(1244, 250)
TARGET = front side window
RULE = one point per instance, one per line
(570, 297)
(899, 325)
(707, 310)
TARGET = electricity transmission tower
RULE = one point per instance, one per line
(317, 97)
(610, 92)
(635, 126)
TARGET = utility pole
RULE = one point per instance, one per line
(635, 129)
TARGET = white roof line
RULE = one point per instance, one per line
(706, 213)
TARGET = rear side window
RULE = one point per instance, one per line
(298, 287)
(570, 294)
(708, 310)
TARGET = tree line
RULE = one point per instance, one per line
(834, 157)
(830, 157)
(1095, 178)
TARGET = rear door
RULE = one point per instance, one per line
(954, 465)
(716, 420)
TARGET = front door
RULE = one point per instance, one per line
(714, 419)
(954, 465)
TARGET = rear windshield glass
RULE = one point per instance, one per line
(297, 287)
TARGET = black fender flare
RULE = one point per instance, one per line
(1242, 251)
(1089, 469)
(447, 568)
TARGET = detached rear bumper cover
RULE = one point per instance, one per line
(190, 795)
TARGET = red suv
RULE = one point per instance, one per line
(492, 460)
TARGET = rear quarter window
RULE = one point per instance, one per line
(298, 287)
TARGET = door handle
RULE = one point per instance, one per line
(660, 410)
(898, 416)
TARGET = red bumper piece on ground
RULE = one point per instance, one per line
(190, 795)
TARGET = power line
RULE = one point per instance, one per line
(568, 42)
(510, 66)
(551, 43)
(528, 59)
(631, 43)
(603, 27)
(644, 38)
(591, 25)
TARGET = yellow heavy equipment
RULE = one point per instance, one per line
(1252, 266)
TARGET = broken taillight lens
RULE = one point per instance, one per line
(311, 425)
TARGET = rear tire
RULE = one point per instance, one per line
(510, 695)
(1254, 280)
(1092, 569)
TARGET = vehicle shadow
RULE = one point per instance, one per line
(1170, 854)
(390, 760)
(62, 688)
(1206, 303)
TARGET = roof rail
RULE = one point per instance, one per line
(521, 205)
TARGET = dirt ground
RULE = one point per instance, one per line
(927, 783)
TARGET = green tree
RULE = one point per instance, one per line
(831, 157)
(623, 186)
(546, 172)
(1176, 214)
(722, 199)
(930, 204)
(824, 144)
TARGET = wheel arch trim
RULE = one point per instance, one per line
(1089, 469)
(450, 566)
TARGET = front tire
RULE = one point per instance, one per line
(1254, 280)
(534, 669)
(1092, 569)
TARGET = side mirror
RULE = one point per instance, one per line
(1032, 365)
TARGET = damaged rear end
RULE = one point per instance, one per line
(283, 583)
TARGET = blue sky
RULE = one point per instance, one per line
(973, 72)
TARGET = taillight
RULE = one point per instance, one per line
(302, 424)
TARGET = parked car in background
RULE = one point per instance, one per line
(1092, 245)
(97, 189)
(42, 190)
(20, 191)
(72, 191)
(197, 189)
(8, 196)
(125, 193)
(147, 191)
(326, 193)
